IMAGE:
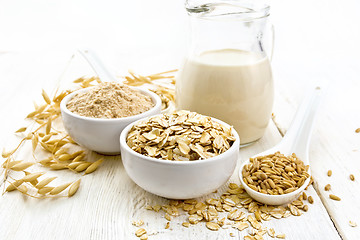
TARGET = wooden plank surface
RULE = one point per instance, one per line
(108, 201)
(334, 66)
(335, 146)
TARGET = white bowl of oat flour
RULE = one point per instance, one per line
(95, 117)
(180, 155)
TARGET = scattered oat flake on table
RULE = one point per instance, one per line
(329, 173)
(144, 237)
(357, 130)
(258, 237)
(186, 224)
(305, 208)
(138, 223)
(212, 226)
(352, 224)
(156, 208)
(213, 212)
(248, 237)
(352, 177)
(241, 225)
(304, 196)
(294, 210)
(310, 200)
(334, 197)
(195, 218)
(167, 217)
(140, 232)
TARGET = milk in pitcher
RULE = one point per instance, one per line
(232, 85)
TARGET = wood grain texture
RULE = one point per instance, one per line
(108, 201)
(335, 146)
(333, 66)
(315, 222)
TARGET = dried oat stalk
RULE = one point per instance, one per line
(53, 141)
(48, 140)
(138, 80)
(166, 94)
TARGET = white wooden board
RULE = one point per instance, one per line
(108, 201)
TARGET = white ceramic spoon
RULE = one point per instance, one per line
(105, 75)
(295, 141)
(91, 57)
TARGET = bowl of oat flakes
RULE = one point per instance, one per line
(94, 117)
(179, 155)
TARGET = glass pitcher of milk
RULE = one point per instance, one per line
(227, 72)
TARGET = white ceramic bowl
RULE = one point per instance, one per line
(101, 135)
(176, 179)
